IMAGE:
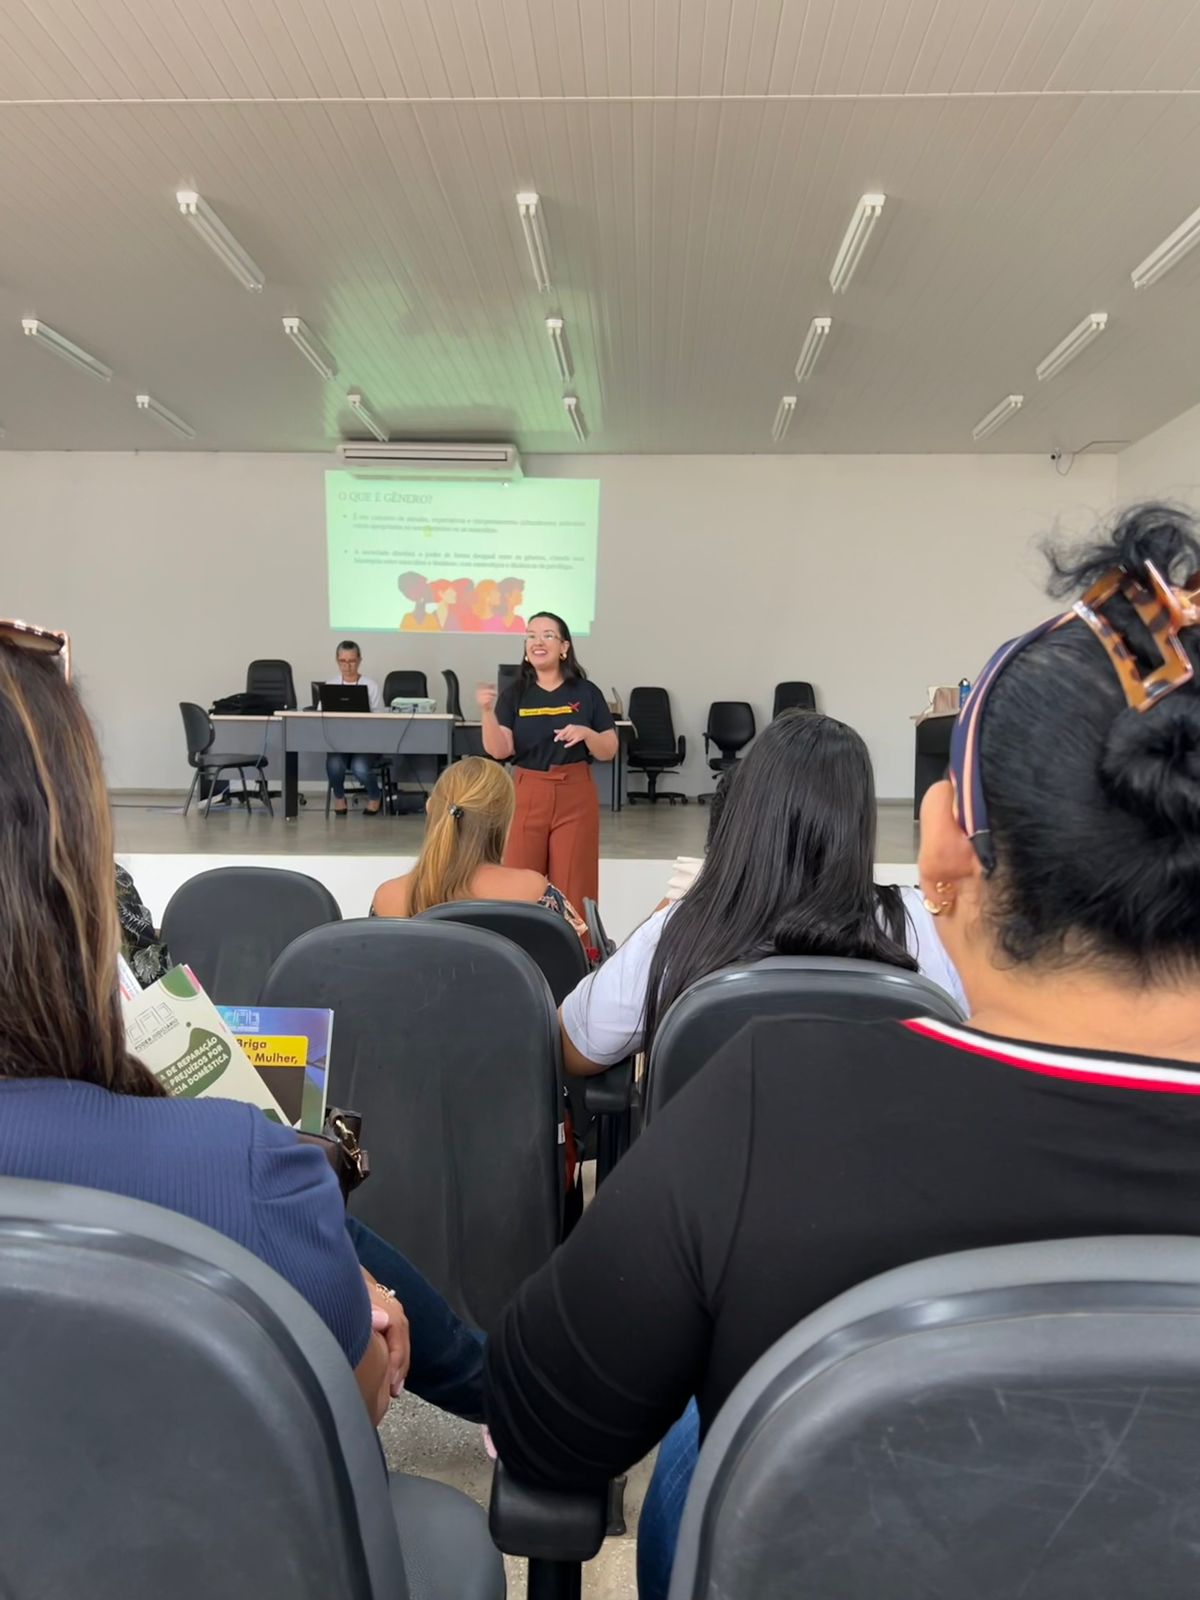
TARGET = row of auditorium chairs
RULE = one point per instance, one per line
(985, 1395)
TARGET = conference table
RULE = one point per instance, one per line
(434, 738)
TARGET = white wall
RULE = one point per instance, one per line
(873, 576)
(1165, 465)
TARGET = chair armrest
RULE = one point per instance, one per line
(611, 1092)
(681, 748)
(707, 744)
(546, 1524)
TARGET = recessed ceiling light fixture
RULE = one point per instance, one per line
(50, 340)
(998, 416)
(554, 327)
(783, 417)
(528, 208)
(1169, 253)
(1074, 344)
(367, 417)
(148, 403)
(810, 350)
(575, 416)
(219, 239)
(310, 347)
(862, 224)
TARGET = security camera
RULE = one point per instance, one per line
(1056, 456)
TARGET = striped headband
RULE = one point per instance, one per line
(1164, 611)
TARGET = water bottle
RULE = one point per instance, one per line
(964, 689)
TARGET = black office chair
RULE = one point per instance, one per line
(714, 1009)
(1014, 1421)
(507, 675)
(199, 732)
(405, 686)
(178, 1422)
(730, 727)
(273, 681)
(453, 694)
(793, 697)
(231, 923)
(931, 754)
(655, 750)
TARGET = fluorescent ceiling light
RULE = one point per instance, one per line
(783, 417)
(998, 416)
(219, 239)
(310, 347)
(810, 350)
(535, 237)
(575, 416)
(160, 413)
(369, 421)
(554, 327)
(1077, 340)
(862, 224)
(49, 340)
(1169, 253)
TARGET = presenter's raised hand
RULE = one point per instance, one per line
(572, 734)
(485, 697)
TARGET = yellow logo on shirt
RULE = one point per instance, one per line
(549, 711)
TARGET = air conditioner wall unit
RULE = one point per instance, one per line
(436, 460)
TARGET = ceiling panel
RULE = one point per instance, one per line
(698, 164)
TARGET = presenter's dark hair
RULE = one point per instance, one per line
(571, 668)
(348, 644)
(59, 933)
(791, 866)
(1094, 807)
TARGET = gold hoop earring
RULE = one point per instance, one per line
(936, 907)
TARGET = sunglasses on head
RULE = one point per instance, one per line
(43, 641)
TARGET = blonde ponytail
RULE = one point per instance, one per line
(470, 813)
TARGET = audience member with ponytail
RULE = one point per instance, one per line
(469, 814)
(1061, 860)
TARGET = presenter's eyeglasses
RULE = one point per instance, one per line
(45, 641)
(543, 638)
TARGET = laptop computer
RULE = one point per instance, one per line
(344, 697)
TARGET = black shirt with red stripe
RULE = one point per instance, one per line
(535, 715)
(805, 1158)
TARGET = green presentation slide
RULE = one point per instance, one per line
(419, 555)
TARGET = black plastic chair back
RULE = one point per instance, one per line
(550, 943)
(1015, 1421)
(793, 696)
(405, 686)
(453, 693)
(198, 730)
(597, 932)
(653, 727)
(717, 1007)
(446, 1039)
(229, 925)
(731, 725)
(176, 1420)
(273, 681)
(507, 675)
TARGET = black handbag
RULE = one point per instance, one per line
(340, 1139)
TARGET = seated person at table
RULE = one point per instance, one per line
(469, 814)
(76, 1107)
(349, 660)
(1062, 861)
(789, 871)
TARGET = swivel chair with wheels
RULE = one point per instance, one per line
(410, 685)
(793, 697)
(273, 681)
(731, 727)
(655, 750)
(453, 694)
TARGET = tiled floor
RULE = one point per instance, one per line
(154, 823)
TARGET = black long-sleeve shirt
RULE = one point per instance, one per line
(805, 1158)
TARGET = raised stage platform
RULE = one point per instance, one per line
(161, 847)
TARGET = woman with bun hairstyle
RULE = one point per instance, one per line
(1061, 859)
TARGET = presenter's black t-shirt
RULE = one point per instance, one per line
(535, 715)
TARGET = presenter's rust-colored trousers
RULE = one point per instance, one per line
(556, 829)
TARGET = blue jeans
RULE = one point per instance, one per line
(335, 771)
(447, 1356)
(662, 1510)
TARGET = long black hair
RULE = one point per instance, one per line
(571, 669)
(790, 870)
(1095, 807)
